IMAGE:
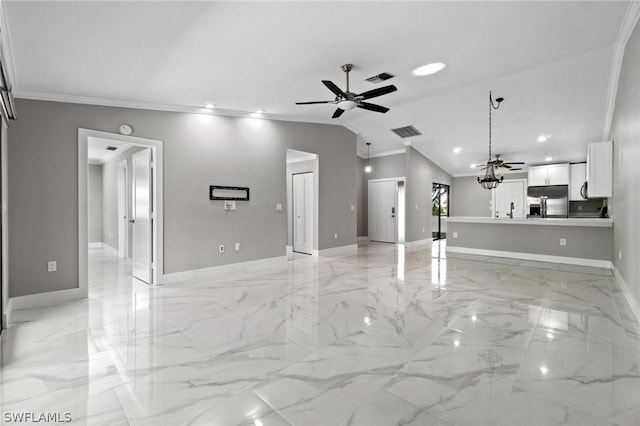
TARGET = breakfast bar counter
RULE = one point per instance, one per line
(578, 241)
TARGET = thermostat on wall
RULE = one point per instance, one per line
(126, 130)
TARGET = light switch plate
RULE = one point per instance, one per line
(52, 266)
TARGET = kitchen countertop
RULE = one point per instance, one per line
(584, 222)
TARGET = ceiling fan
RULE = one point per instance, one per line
(497, 163)
(347, 100)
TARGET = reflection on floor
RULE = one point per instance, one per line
(390, 336)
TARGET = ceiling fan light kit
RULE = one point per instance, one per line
(347, 100)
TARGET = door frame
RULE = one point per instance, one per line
(123, 197)
(83, 231)
(524, 199)
(293, 209)
(400, 215)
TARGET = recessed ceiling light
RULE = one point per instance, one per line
(543, 138)
(457, 150)
(548, 159)
(209, 106)
(474, 165)
(260, 111)
(429, 69)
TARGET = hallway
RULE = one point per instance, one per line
(388, 336)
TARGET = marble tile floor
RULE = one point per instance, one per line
(390, 336)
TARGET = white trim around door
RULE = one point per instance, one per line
(158, 234)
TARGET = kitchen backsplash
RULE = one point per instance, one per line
(585, 208)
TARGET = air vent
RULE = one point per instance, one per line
(380, 77)
(112, 148)
(406, 132)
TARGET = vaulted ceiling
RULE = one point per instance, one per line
(554, 63)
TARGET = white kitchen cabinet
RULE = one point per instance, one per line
(577, 178)
(553, 174)
(600, 170)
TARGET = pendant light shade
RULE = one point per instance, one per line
(367, 168)
(492, 177)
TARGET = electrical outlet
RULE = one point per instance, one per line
(563, 241)
(416, 207)
(335, 235)
(279, 207)
(221, 248)
(52, 266)
(422, 229)
(620, 254)
(237, 246)
(455, 235)
(353, 207)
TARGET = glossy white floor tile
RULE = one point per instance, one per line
(391, 336)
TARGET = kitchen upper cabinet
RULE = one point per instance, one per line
(553, 174)
(578, 176)
(600, 170)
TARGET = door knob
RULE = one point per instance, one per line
(132, 220)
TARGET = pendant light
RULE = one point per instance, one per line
(492, 177)
(367, 168)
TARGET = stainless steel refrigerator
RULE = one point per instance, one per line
(548, 201)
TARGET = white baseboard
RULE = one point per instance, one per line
(532, 256)
(40, 300)
(109, 249)
(248, 266)
(633, 303)
(6, 316)
(363, 239)
(340, 251)
(418, 243)
(289, 249)
(95, 245)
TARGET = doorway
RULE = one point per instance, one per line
(142, 158)
(439, 210)
(386, 210)
(302, 172)
(510, 199)
(303, 212)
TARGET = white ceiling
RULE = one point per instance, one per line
(551, 61)
(97, 152)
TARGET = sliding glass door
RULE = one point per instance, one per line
(439, 210)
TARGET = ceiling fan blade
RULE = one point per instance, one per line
(377, 92)
(514, 162)
(314, 102)
(337, 113)
(335, 89)
(372, 107)
(516, 169)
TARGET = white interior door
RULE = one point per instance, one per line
(383, 211)
(123, 221)
(510, 191)
(303, 213)
(142, 198)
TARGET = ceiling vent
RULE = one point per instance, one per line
(380, 77)
(406, 132)
(112, 148)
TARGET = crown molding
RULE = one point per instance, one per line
(122, 103)
(628, 25)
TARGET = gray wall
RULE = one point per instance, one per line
(537, 239)
(294, 168)
(110, 198)
(421, 173)
(362, 207)
(199, 150)
(94, 182)
(468, 198)
(625, 132)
